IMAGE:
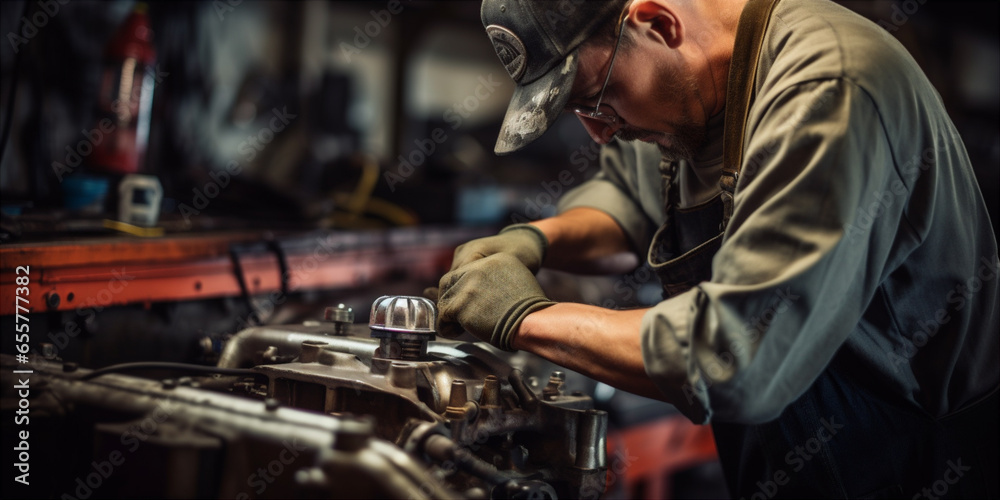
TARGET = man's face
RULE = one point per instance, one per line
(654, 96)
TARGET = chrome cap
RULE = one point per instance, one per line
(405, 314)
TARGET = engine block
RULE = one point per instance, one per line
(323, 410)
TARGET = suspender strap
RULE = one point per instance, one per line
(739, 94)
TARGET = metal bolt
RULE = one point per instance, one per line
(168, 383)
(490, 397)
(206, 345)
(341, 316)
(311, 350)
(353, 433)
(52, 300)
(70, 367)
(269, 354)
(271, 404)
(456, 402)
(554, 388)
(313, 477)
(48, 350)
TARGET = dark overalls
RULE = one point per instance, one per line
(840, 438)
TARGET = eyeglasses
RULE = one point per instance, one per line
(595, 112)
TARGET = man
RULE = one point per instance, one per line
(833, 292)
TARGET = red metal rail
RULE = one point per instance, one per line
(107, 272)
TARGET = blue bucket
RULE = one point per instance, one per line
(84, 193)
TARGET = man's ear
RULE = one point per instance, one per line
(660, 17)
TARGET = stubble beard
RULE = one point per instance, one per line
(684, 144)
(688, 136)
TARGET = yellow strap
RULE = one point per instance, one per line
(145, 232)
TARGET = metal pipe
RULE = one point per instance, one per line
(524, 393)
(241, 349)
(591, 448)
(443, 449)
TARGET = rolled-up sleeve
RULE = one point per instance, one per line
(798, 264)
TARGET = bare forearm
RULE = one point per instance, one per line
(600, 343)
(586, 240)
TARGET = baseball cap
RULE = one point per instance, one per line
(537, 42)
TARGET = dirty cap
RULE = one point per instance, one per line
(537, 42)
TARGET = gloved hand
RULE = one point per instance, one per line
(524, 241)
(489, 297)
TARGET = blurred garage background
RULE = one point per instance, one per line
(292, 156)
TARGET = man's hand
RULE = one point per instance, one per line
(523, 241)
(489, 297)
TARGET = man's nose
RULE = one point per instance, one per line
(600, 131)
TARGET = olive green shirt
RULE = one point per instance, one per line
(858, 228)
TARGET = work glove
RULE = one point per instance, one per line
(524, 241)
(489, 298)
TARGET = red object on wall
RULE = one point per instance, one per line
(125, 103)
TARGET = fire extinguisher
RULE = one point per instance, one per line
(126, 96)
